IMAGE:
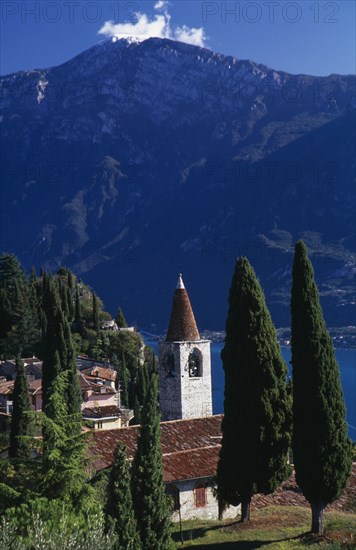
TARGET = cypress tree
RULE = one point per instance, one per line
(95, 313)
(20, 448)
(17, 331)
(70, 280)
(58, 348)
(33, 276)
(124, 379)
(74, 397)
(257, 408)
(63, 446)
(119, 505)
(141, 384)
(150, 500)
(137, 411)
(120, 319)
(63, 296)
(52, 336)
(78, 318)
(321, 447)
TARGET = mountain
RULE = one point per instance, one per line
(135, 161)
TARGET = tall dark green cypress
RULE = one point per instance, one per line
(58, 348)
(18, 329)
(63, 464)
(52, 336)
(70, 280)
(95, 313)
(257, 408)
(63, 296)
(120, 319)
(20, 448)
(74, 397)
(119, 512)
(78, 317)
(150, 501)
(62, 445)
(321, 446)
(124, 382)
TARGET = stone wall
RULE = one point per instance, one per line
(183, 396)
(189, 510)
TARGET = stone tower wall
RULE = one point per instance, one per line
(183, 396)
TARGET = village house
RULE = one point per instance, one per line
(190, 452)
(7, 390)
(101, 403)
(190, 433)
(33, 367)
(101, 406)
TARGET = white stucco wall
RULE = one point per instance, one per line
(182, 396)
(190, 511)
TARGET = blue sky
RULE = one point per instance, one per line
(313, 37)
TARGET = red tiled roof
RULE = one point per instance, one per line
(182, 325)
(191, 464)
(7, 388)
(100, 372)
(190, 448)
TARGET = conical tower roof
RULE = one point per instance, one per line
(182, 326)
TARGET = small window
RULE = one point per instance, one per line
(195, 364)
(173, 492)
(170, 365)
(200, 496)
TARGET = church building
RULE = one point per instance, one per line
(184, 360)
(190, 433)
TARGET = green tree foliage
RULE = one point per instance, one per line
(321, 447)
(20, 447)
(70, 280)
(257, 408)
(150, 501)
(95, 313)
(120, 319)
(119, 507)
(19, 324)
(78, 317)
(53, 525)
(63, 445)
(123, 377)
(58, 350)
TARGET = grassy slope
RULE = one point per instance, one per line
(273, 527)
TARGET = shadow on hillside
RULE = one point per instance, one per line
(190, 535)
(238, 545)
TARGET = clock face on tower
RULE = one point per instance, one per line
(168, 364)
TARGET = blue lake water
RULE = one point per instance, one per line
(346, 359)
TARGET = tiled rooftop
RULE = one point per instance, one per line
(100, 372)
(190, 448)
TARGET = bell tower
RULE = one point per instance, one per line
(184, 364)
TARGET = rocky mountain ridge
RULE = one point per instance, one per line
(134, 161)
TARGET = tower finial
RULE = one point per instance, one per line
(180, 283)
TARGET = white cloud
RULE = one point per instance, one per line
(159, 26)
(161, 5)
(190, 35)
(142, 29)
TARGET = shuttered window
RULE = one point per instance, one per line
(200, 495)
